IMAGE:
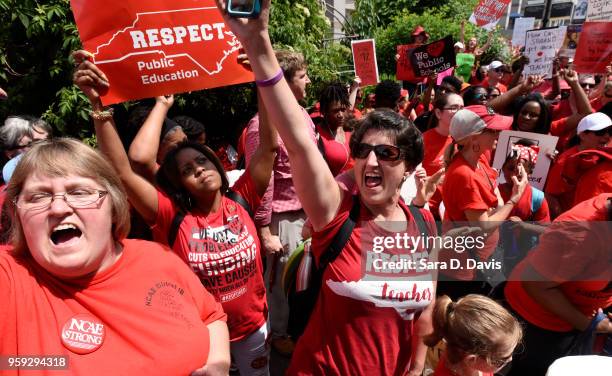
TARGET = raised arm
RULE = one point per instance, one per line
(260, 165)
(143, 150)
(91, 80)
(583, 106)
(314, 183)
(353, 91)
(462, 33)
(502, 103)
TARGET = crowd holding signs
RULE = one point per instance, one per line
(394, 232)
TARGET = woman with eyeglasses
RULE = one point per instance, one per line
(79, 296)
(470, 193)
(361, 324)
(479, 334)
(593, 133)
(437, 139)
(193, 210)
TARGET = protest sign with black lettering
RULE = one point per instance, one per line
(364, 61)
(488, 12)
(541, 46)
(545, 143)
(594, 51)
(158, 47)
(521, 25)
(599, 10)
(433, 57)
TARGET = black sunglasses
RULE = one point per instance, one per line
(480, 96)
(388, 153)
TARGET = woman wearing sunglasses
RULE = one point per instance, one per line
(361, 325)
(470, 193)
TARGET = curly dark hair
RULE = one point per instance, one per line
(334, 92)
(407, 137)
(387, 94)
(169, 180)
(543, 124)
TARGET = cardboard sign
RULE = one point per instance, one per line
(580, 11)
(594, 51)
(364, 60)
(571, 41)
(541, 47)
(599, 10)
(521, 25)
(433, 57)
(158, 47)
(404, 69)
(546, 143)
(488, 12)
(465, 63)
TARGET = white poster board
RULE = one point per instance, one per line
(599, 10)
(545, 142)
(541, 46)
(521, 25)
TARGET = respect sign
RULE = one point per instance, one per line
(488, 12)
(158, 47)
(433, 57)
(541, 47)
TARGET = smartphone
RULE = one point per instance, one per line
(244, 8)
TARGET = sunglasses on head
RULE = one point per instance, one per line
(388, 153)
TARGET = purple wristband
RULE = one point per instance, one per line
(270, 81)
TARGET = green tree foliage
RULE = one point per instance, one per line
(37, 37)
(396, 19)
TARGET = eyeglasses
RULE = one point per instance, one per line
(481, 96)
(387, 153)
(498, 363)
(585, 85)
(76, 198)
(453, 108)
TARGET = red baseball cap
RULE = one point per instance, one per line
(474, 119)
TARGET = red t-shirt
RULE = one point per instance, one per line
(223, 249)
(154, 313)
(337, 155)
(591, 172)
(363, 321)
(499, 86)
(556, 185)
(442, 369)
(523, 207)
(575, 252)
(433, 160)
(468, 188)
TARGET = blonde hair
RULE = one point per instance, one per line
(290, 62)
(62, 157)
(474, 325)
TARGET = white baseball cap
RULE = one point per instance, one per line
(594, 122)
(495, 64)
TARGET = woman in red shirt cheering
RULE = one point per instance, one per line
(359, 326)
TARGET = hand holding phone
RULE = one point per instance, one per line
(244, 8)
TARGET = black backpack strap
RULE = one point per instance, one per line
(341, 237)
(174, 227)
(236, 197)
(418, 218)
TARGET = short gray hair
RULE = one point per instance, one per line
(13, 130)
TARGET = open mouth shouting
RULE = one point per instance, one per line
(65, 234)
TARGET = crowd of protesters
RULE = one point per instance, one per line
(163, 257)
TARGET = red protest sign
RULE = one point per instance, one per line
(488, 12)
(158, 47)
(594, 50)
(404, 69)
(364, 60)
